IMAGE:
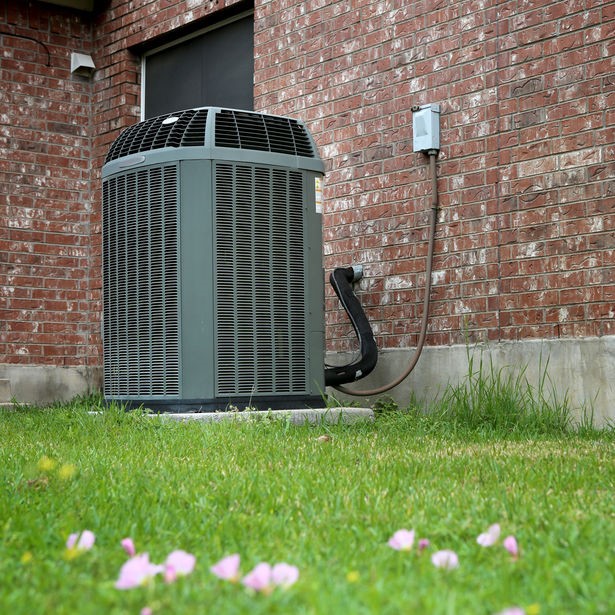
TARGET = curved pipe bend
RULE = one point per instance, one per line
(341, 279)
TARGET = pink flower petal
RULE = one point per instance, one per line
(86, 540)
(129, 546)
(169, 574)
(284, 574)
(511, 545)
(146, 610)
(490, 537)
(423, 544)
(513, 610)
(260, 578)
(227, 568)
(402, 540)
(137, 571)
(72, 541)
(181, 562)
(82, 541)
(445, 559)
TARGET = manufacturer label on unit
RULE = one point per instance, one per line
(318, 194)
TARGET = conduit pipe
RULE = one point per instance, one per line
(433, 155)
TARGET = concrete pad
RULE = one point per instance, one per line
(312, 416)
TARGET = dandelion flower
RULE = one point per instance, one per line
(46, 464)
(67, 471)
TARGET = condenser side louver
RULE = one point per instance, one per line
(212, 272)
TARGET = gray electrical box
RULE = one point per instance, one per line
(212, 263)
(426, 128)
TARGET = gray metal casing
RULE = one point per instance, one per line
(212, 270)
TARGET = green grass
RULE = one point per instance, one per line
(275, 492)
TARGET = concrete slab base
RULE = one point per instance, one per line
(312, 416)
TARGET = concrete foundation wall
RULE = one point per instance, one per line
(582, 369)
(30, 384)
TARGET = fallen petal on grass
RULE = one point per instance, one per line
(445, 559)
(284, 574)
(129, 546)
(490, 537)
(137, 571)
(227, 568)
(259, 578)
(402, 540)
(511, 545)
(79, 542)
(179, 563)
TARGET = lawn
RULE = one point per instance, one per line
(325, 499)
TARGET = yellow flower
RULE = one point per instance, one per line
(533, 609)
(46, 464)
(67, 471)
(352, 576)
(26, 558)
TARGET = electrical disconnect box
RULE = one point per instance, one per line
(426, 128)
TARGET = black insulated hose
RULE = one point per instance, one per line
(341, 279)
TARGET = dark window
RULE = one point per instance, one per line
(215, 68)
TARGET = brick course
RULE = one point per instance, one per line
(526, 240)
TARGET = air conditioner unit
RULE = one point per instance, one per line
(212, 266)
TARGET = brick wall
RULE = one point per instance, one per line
(45, 195)
(526, 241)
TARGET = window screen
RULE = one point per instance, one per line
(215, 68)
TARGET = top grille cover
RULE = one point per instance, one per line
(244, 130)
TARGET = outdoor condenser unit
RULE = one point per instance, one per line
(212, 266)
